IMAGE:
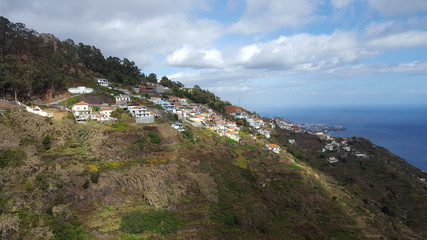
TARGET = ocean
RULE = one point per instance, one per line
(400, 129)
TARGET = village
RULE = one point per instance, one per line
(188, 113)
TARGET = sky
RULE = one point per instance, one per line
(256, 53)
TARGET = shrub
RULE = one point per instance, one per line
(154, 137)
(140, 141)
(67, 228)
(94, 177)
(11, 157)
(41, 181)
(188, 133)
(46, 143)
(161, 221)
(86, 184)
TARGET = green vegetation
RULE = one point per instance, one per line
(154, 137)
(34, 63)
(160, 221)
(46, 143)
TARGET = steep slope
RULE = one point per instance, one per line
(110, 182)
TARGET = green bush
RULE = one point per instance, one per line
(42, 181)
(188, 133)
(11, 157)
(161, 221)
(46, 143)
(94, 177)
(67, 228)
(154, 137)
(86, 184)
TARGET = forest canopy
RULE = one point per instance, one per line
(33, 64)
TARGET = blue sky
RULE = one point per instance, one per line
(275, 53)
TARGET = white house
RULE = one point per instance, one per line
(81, 111)
(264, 132)
(37, 110)
(80, 90)
(103, 82)
(240, 115)
(291, 141)
(328, 147)
(155, 100)
(273, 147)
(141, 114)
(347, 148)
(361, 155)
(332, 159)
(232, 135)
(178, 126)
(105, 113)
(122, 100)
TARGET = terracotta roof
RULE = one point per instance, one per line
(81, 103)
(106, 109)
(273, 146)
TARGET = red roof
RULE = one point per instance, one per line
(273, 146)
(81, 103)
(106, 109)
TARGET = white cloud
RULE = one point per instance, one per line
(195, 58)
(131, 28)
(304, 52)
(398, 7)
(270, 15)
(400, 40)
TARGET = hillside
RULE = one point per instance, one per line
(99, 181)
(41, 66)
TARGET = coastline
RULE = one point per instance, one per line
(400, 129)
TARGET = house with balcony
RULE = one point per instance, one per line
(81, 111)
(141, 114)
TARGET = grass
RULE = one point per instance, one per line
(241, 162)
(159, 221)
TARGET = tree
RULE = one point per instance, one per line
(152, 78)
(46, 143)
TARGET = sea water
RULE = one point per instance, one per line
(400, 129)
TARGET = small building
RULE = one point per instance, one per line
(264, 132)
(122, 100)
(141, 114)
(328, 147)
(291, 141)
(273, 147)
(160, 89)
(347, 148)
(240, 115)
(361, 155)
(105, 113)
(37, 110)
(80, 90)
(178, 126)
(103, 82)
(81, 111)
(332, 159)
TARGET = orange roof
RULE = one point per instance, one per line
(273, 146)
(200, 116)
(139, 106)
(47, 111)
(105, 109)
(230, 132)
(81, 103)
